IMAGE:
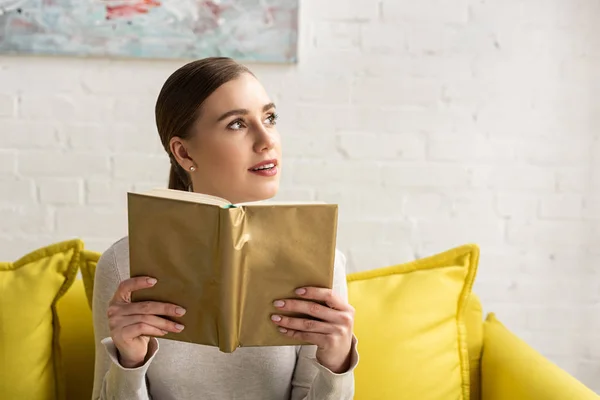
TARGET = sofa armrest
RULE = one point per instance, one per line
(511, 369)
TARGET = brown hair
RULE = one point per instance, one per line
(180, 99)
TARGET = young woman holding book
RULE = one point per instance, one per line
(218, 126)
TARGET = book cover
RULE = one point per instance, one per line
(226, 264)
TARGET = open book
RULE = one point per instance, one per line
(226, 263)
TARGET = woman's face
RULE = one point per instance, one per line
(234, 147)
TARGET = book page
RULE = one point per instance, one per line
(187, 196)
(278, 203)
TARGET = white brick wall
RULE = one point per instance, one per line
(431, 123)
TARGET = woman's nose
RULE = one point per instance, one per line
(264, 140)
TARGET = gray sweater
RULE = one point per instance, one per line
(178, 370)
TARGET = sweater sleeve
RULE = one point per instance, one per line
(111, 380)
(313, 381)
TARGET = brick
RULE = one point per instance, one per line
(139, 138)
(19, 134)
(93, 222)
(451, 232)
(471, 204)
(378, 202)
(379, 39)
(8, 162)
(63, 107)
(363, 258)
(557, 233)
(557, 319)
(372, 146)
(386, 92)
(573, 179)
(51, 75)
(106, 192)
(91, 137)
(59, 164)
(423, 205)
(340, 10)
(503, 66)
(17, 191)
(109, 78)
(515, 205)
(336, 35)
(437, 11)
(60, 191)
(310, 146)
(7, 105)
(524, 177)
(374, 232)
(469, 147)
(560, 152)
(591, 207)
(142, 167)
(317, 89)
(442, 67)
(434, 38)
(424, 175)
(561, 206)
(130, 109)
(26, 220)
(528, 14)
(322, 174)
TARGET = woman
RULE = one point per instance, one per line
(217, 124)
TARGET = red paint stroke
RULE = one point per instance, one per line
(132, 9)
(215, 9)
(269, 15)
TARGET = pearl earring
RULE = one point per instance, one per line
(192, 168)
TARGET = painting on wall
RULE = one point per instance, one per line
(247, 30)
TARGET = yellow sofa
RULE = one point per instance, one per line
(514, 371)
(494, 364)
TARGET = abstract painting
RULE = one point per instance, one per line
(247, 30)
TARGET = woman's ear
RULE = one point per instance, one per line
(178, 148)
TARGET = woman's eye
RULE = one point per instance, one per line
(235, 125)
(272, 119)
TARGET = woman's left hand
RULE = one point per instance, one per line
(331, 333)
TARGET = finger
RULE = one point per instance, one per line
(123, 292)
(141, 329)
(152, 307)
(302, 324)
(308, 307)
(324, 295)
(158, 322)
(318, 339)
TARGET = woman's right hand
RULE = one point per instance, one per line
(132, 324)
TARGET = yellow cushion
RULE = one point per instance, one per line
(410, 325)
(474, 323)
(77, 342)
(30, 362)
(89, 259)
(511, 369)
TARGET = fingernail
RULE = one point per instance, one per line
(275, 318)
(301, 291)
(179, 311)
(282, 330)
(165, 332)
(279, 303)
(151, 281)
(179, 327)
